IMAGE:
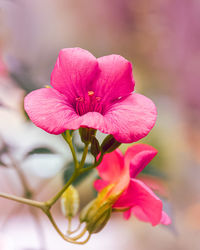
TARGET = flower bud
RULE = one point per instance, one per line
(99, 221)
(70, 202)
(95, 147)
(109, 144)
(86, 134)
(97, 213)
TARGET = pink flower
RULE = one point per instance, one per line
(95, 93)
(120, 173)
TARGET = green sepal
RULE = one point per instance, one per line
(95, 147)
(86, 134)
(109, 144)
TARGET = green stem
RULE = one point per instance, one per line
(76, 173)
(53, 200)
(68, 239)
(92, 166)
(29, 202)
(84, 155)
(46, 206)
(68, 139)
(69, 225)
(80, 235)
(56, 227)
(75, 230)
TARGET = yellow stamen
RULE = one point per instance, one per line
(90, 93)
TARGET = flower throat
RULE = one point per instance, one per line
(90, 103)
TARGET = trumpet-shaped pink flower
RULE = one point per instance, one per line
(91, 92)
(120, 173)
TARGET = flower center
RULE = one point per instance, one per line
(89, 103)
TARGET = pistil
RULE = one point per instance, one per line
(90, 103)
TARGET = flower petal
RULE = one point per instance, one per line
(132, 118)
(74, 70)
(100, 184)
(165, 219)
(112, 166)
(127, 214)
(138, 194)
(138, 156)
(156, 184)
(115, 78)
(139, 213)
(49, 110)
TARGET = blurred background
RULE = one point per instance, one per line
(162, 40)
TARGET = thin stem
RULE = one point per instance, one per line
(69, 225)
(68, 239)
(76, 173)
(75, 230)
(29, 202)
(53, 200)
(92, 166)
(56, 227)
(80, 235)
(68, 139)
(84, 155)
(85, 241)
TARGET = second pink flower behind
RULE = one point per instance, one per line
(120, 173)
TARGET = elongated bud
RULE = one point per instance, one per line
(70, 202)
(97, 213)
(84, 214)
(86, 134)
(99, 220)
(109, 144)
(95, 147)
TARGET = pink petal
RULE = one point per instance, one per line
(112, 166)
(127, 214)
(74, 70)
(138, 156)
(138, 194)
(139, 213)
(154, 183)
(97, 121)
(115, 78)
(49, 110)
(132, 118)
(165, 219)
(100, 184)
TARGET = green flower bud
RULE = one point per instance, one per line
(95, 147)
(86, 134)
(97, 213)
(109, 144)
(70, 202)
(84, 214)
(99, 221)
